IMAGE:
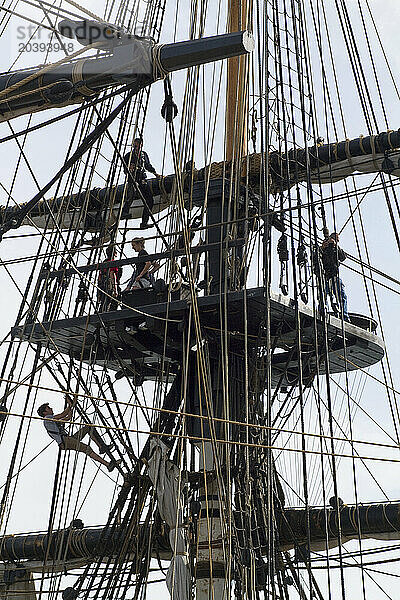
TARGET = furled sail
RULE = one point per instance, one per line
(165, 476)
(325, 163)
(134, 61)
(380, 521)
(322, 164)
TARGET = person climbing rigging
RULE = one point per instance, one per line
(142, 272)
(109, 290)
(55, 427)
(331, 257)
(137, 163)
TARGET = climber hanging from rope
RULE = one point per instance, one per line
(331, 257)
(55, 427)
(137, 162)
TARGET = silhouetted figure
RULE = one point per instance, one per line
(141, 276)
(109, 290)
(331, 257)
(138, 163)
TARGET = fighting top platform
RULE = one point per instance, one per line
(138, 340)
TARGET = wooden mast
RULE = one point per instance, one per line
(236, 89)
(213, 572)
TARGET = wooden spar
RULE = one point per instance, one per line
(328, 163)
(54, 85)
(380, 521)
(236, 91)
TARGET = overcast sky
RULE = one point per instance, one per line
(46, 150)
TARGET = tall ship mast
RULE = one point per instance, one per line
(199, 252)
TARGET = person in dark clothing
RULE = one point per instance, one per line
(108, 283)
(54, 425)
(137, 162)
(141, 277)
(331, 257)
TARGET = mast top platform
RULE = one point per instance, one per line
(131, 340)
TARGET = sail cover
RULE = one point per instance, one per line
(361, 164)
(165, 476)
(329, 163)
(319, 164)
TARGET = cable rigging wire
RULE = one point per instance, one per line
(292, 77)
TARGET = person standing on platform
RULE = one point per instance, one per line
(141, 276)
(108, 283)
(137, 162)
(331, 257)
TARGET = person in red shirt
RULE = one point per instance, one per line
(108, 283)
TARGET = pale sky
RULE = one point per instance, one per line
(46, 149)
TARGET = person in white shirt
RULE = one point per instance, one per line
(54, 425)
